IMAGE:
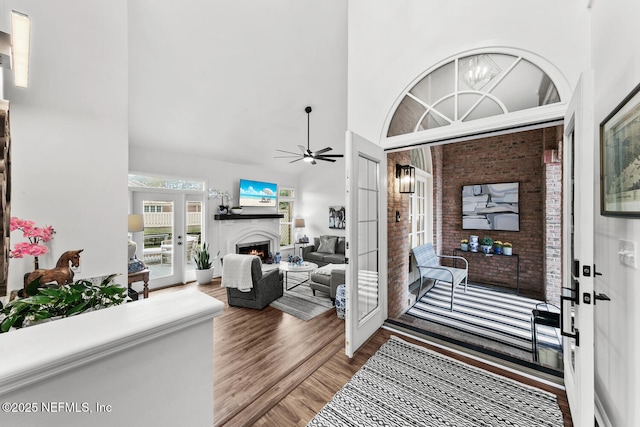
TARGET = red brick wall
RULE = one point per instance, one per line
(506, 158)
(398, 243)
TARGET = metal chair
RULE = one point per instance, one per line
(428, 264)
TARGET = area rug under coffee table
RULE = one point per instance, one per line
(301, 303)
(406, 385)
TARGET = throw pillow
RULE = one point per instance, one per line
(328, 244)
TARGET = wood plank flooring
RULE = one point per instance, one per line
(272, 369)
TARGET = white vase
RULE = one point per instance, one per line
(204, 277)
(507, 250)
(473, 243)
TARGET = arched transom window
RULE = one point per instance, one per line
(470, 88)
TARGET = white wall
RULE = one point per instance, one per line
(616, 59)
(69, 132)
(392, 43)
(323, 185)
(223, 176)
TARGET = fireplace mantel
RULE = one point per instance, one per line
(227, 217)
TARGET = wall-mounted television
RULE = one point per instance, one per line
(258, 193)
(491, 207)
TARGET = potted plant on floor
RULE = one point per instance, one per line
(204, 270)
(486, 243)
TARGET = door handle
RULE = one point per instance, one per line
(601, 297)
(595, 272)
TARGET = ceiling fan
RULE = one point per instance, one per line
(306, 154)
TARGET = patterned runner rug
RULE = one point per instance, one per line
(499, 316)
(406, 385)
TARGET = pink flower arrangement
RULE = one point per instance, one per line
(36, 235)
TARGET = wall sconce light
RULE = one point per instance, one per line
(406, 176)
(14, 48)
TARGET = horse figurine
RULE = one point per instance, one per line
(61, 274)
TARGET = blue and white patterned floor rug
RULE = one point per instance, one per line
(499, 316)
(300, 301)
(403, 384)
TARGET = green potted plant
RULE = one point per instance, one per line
(204, 270)
(51, 303)
(486, 243)
(464, 244)
(507, 248)
(497, 247)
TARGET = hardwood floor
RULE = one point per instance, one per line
(271, 368)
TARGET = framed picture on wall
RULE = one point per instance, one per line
(620, 159)
(337, 217)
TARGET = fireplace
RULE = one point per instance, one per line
(260, 249)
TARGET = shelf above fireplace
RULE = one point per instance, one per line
(227, 217)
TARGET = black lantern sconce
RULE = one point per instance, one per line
(406, 176)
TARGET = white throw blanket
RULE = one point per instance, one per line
(236, 272)
(326, 270)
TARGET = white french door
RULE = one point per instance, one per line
(174, 224)
(366, 196)
(578, 252)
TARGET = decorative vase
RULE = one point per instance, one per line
(486, 249)
(508, 251)
(340, 301)
(204, 277)
(464, 247)
(473, 243)
(497, 250)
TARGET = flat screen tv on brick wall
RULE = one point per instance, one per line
(490, 207)
(258, 193)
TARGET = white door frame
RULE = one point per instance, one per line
(579, 191)
(366, 246)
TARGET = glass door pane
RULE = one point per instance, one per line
(162, 235)
(194, 217)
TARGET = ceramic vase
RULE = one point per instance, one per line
(464, 246)
(497, 250)
(340, 301)
(473, 243)
(507, 251)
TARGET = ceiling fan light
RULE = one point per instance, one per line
(308, 159)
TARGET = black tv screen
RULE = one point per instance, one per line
(491, 207)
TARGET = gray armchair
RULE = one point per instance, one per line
(266, 288)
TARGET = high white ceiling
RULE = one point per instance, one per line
(229, 80)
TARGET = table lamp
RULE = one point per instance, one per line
(136, 224)
(298, 223)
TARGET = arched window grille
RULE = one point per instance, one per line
(470, 88)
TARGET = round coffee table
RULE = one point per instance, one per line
(306, 267)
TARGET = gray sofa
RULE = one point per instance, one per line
(325, 250)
